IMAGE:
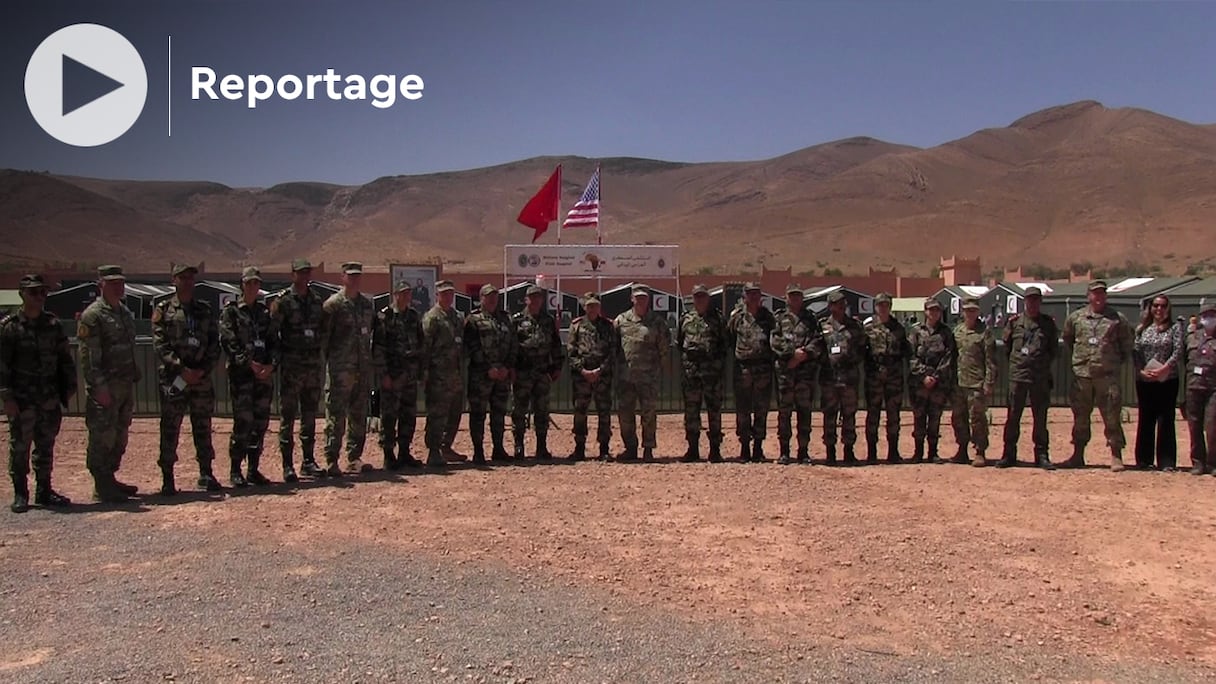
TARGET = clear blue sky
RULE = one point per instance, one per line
(687, 80)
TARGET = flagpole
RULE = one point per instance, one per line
(558, 312)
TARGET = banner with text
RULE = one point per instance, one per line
(591, 261)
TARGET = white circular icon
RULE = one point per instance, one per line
(86, 85)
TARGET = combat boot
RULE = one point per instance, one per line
(893, 451)
(783, 456)
(1043, 462)
(206, 478)
(979, 461)
(255, 477)
(105, 491)
(497, 434)
(605, 451)
(434, 459)
(168, 486)
(715, 452)
(629, 454)
(745, 452)
(648, 454)
(580, 450)
(918, 452)
(289, 470)
(849, 458)
(234, 473)
(1009, 458)
(1077, 460)
(21, 494)
(804, 454)
(758, 451)
(831, 454)
(1116, 461)
(390, 461)
(128, 489)
(960, 457)
(519, 446)
(871, 452)
(693, 453)
(934, 456)
(479, 453)
(542, 447)
(310, 467)
(47, 497)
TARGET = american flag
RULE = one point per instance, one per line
(586, 211)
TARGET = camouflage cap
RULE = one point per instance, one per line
(591, 299)
(793, 289)
(352, 268)
(640, 289)
(110, 272)
(403, 285)
(882, 298)
(1097, 285)
(251, 273)
(301, 265)
(971, 303)
(534, 290)
(179, 269)
(932, 303)
(487, 290)
(31, 281)
(700, 290)
(1033, 291)
(837, 296)
(445, 286)
(751, 287)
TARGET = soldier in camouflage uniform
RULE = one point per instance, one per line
(397, 357)
(1101, 342)
(251, 344)
(797, 344)
(186, 339)
(489, 337)
(1200, 364)
(106, 332)
(592, 348)
(645, 345)
(749, 329)
(37, 376)
(976, 372)
(844, 342)
(702, 340)
(886, 354)
(1033, 341)
(443, 351)
(297, 316)
(346, 343)
(538, 364)
(931, 381)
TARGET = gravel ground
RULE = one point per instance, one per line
(608, 572)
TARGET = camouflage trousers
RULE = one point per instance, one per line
(346, 400)
(35, 425)
(299, 395)
(753, 394)
(969, 419)
(399, 414)
(1105, 393)
(701, 389)
(795, 400)
(444, 402)
(250, 416)
(839, 406)
(633, 395)
(1201, 421)
(1039, 395)
(884, 394)
(584, 394)
(927, 408)
(197, 400)
(530, 392)
(109, 428)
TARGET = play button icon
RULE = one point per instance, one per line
(86, 85)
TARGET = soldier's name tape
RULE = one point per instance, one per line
(255, 88)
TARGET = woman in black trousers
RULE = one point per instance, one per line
(1157, 352)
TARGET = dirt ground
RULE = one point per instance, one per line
(911, 559)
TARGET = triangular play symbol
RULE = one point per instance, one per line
(83, 84)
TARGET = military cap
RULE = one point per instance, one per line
(403, 285)
(251, 273)
(488, 289)
(639, 289)
(445, 286)
(352, 268)
(835, 297)
(1097, 285)
(971, 303)
(590, 299)
(1208, 307)
(301, 265)
(932, 303)
(179, 269)
(793, 289)
(534, 290)
(110, 272)
(31, 281)
(1033, 292)
(751, 287)
(700, 290)
(882, 298)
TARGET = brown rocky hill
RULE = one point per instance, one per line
(1068, 184)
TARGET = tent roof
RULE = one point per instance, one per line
(1202, 288)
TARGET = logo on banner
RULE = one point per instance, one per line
(954, 305)
(866, 305)
(553, 301)
(661, 303)
(1011, 305)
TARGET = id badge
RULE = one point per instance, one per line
(457, 340)
(259, 344)
(363, 330)
(1093, 341)
(835, 349)
(192, 341)
(308, 332)
(1198, 370)
(1025, 351)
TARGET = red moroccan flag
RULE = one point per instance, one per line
(541, 210)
